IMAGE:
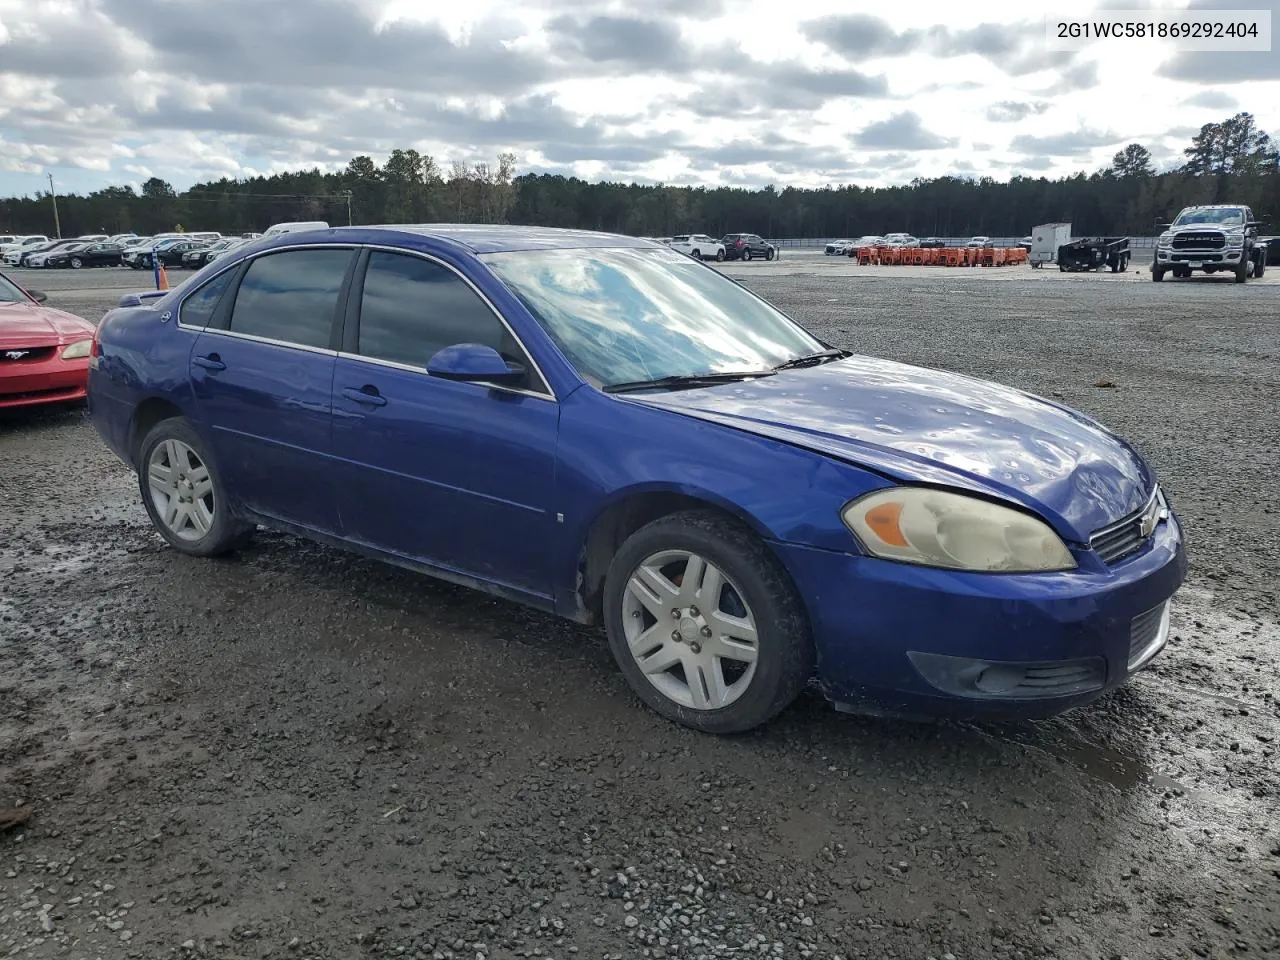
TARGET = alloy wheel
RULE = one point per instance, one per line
(689, 630)
(181, 489)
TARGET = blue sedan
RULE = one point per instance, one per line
(607, 430)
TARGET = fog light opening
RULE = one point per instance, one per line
(999, 679)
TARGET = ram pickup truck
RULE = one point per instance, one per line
(1220, 237)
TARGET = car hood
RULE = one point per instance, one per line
(916, 425)
(29, 324)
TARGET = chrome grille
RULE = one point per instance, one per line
(1127, 536)
(1145, 634)
(1200, 239)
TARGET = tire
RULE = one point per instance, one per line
(1243, 271)
(720, 255)
(174, 443)
(696, 254)
(76, 263)
(1157, 274)
(1062, 268)
(769, 254)
(1259, 266)
(755, 589)
(746, 253)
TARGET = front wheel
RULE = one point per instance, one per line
(705, 625)
(769, 254)
(1157, 274)
(183, 494)
(1242, 272)
(1259, 266)
(720, 255)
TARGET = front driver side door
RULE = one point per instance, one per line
(456, 475)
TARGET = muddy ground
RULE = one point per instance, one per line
(297, 753)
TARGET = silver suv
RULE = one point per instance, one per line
(1210, 238)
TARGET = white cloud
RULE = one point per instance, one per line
(697, 91)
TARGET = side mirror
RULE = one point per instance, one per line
(39, 296)
(473, 362)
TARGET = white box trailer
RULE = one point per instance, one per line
(1045, 241)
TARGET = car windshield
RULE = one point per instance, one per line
(630, 314)
(1230, 217)
(9, 292)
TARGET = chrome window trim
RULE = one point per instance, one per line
(255, 256)
(267, 340)
(549, 393)
(421, 371)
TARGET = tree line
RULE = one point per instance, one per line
(1231, 161)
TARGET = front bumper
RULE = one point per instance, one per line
(1220, 256)
(44, 381)
(898, 637)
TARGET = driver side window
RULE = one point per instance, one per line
(412, 308)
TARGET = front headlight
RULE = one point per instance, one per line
(76, 350)
(939, 529)
(1235, 239)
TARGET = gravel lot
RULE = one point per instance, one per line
(298, 753)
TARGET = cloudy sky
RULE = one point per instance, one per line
(682, 91)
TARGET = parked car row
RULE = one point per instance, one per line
(190, 250)
(732, 246)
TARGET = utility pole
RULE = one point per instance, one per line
(57, 224)
(347, 194)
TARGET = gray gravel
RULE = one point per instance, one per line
(298, 753)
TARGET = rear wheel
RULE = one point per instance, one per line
(1259, 265)
(705, 625)
(696, 254)
(746, 253)
(183, 494)
(76, 263)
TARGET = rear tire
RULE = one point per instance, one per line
(76, 263)
(746, 253)
(183, 493)
(696, 254)
(752, 597)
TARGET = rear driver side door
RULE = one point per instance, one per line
(262, 375)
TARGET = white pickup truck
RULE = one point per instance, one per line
(697, 245)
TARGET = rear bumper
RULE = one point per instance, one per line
(48, 381)
(897, 637)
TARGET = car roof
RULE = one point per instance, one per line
(476, 237)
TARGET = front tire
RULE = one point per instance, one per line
(1259, 266)
(720, 255)
(1242, 272)
(769, 254)
(183, 493)
(1157, 274)
(705, 625)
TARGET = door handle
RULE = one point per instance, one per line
(369, 395)
(211, 362)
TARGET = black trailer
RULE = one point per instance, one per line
(1094, 253)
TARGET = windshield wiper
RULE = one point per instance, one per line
(686, 380)
(813, 359)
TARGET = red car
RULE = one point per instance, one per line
(44, 353)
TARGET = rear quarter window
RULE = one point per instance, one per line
(197, 310)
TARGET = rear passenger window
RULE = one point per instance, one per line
(197, 309)
(413, 308)
(291, 296)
